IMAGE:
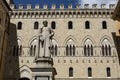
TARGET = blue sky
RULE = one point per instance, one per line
(65, 2)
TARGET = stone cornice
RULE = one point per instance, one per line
(61, 13)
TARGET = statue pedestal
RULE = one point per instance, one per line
(44, 69)
(44, 62)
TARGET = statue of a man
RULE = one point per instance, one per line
(46, 34)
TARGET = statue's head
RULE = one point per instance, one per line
(45, 23)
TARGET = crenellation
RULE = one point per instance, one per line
(53, 6)
(61, 6)
(94, 6)
(103, 6)
(70, 6)
(37, 6)
(77, 6)
(70, 12)
(12, 6)
(86, 6)
(29, 6)
(112, 6)
(45, 6)
(21, 6)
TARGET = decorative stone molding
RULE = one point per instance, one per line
(77, 12)
(70, 6)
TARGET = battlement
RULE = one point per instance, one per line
(70, 6)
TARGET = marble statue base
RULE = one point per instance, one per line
(44, 62)
(44, 69)
(43, 73)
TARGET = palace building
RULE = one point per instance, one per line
(83, 46)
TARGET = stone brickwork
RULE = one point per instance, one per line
(96, 35)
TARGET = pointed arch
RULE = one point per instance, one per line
(68, 38)
(86, 38)
(31, 40)
(105, 37)
(105, 46)
(55, 37)
(32, 46)
(70, 47)
(54, 48)
(88, 47)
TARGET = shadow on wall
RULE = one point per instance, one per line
(12, 71)
(117, 44)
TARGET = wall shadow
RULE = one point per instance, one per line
(12, 71)
(117, 44)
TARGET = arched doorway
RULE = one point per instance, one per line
(24, 79)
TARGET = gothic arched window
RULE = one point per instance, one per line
(36, 24)
(31, 50)
(55, 50)
(19, 25)
(73, 50)
(87, 25)
(70, 48)
(85, 50)
(104, 25)
(53, 25)
(33, 47)
(89, 72)
(106, 48)
(70, 72)
(91, 50)
(88, 48)
(103, 48)
(109, 48)
(108, 72)
(67, 50)
(70, 25)
(34, 50)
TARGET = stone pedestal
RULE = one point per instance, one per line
(44, 69)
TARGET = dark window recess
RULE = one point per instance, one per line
(36, 24)
(19, 25)
(104, 25)
(70, 72)
(108, 72)
(53, 25)
(70, 25)
(89, 72)
(87, 25)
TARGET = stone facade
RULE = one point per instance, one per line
(84, 46)
(4, 26)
